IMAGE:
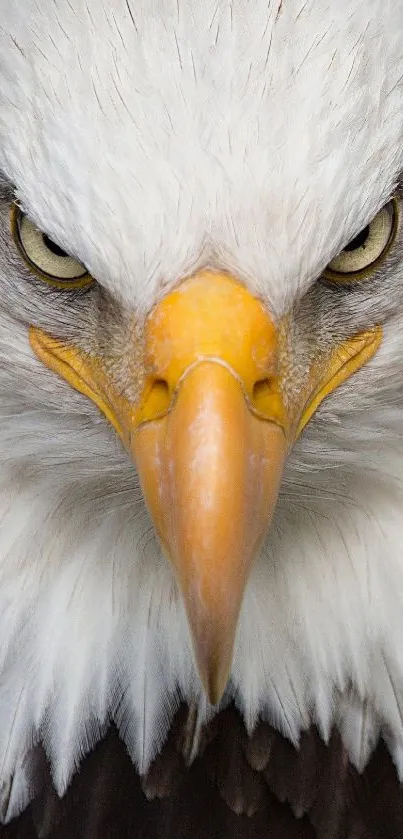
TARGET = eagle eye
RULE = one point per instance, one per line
(44, 257)
(368, 249)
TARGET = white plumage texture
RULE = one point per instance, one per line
(150, 138)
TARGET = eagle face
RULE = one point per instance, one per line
(200, 353)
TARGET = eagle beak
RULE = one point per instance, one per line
(210, 472)
(209, 433)
(210, 446)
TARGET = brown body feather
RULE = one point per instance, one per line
(238, 787)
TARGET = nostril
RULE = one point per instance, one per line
(262, 391)
(161, 387)
(159, 398)
(262, 388)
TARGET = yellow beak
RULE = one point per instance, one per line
(210, 448)
(209, 434)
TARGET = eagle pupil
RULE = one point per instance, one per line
(53, 247)
(358, 241)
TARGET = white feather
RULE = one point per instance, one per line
(200, 132)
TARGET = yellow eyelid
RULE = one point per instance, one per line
(345, 277)
(63, 284)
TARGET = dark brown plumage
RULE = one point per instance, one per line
(238, 787)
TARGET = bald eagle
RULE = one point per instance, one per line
(201, 414)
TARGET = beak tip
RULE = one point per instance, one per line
(215, 693)
(214, 680)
